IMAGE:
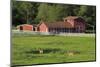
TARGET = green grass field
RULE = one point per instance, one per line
(56, 49)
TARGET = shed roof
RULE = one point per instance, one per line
(24, 25)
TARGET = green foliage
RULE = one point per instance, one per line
(83, 10)
(89, 14)
(55, 13)
(23, 12)
(43, 11)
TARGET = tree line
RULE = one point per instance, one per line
(32, 12)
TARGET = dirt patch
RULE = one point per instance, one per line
(72, 53)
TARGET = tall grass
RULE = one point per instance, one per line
(56, 48)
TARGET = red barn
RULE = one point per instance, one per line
(25, 27)
(71, 24)
(77, 22)
(54, 27)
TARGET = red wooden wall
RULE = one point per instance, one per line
(43, 28)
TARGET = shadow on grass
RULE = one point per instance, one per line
(45, 51)
(48, 51)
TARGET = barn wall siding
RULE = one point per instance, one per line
(80, 26)
(28, 28)
(43, 28)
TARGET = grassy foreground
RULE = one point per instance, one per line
(56, 49)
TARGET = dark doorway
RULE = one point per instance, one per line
(33, 29)
(21, 27)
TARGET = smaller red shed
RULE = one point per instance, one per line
(25, 27)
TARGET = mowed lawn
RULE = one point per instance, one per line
(56, 49)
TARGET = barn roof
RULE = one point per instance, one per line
(25, 24)
(59, 24)
(34, 25)
(77, 18)
(72, 17)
